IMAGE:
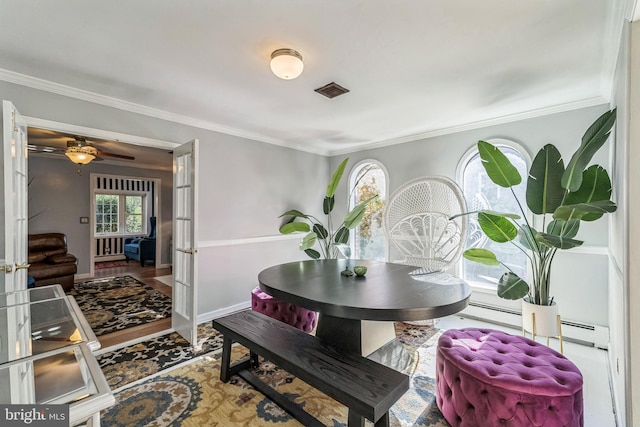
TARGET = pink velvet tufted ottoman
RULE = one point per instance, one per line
(293, 315)
(488, 378)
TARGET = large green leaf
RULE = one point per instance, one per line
(292, 227)
(353, 218)
(596, 186)
(335, 178)
(580, 210)
(544, 192)
(342, 236)
(308, 241)
(592, 140)
(527, 236)
(294, 213)
(312, 253)
(497, 227)
(327, 204)
(320, 231)
(510, 286)
(497, 165)
(564, 228)
(481, 255)
(560, 242)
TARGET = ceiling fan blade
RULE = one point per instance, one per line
(119, 156)
(44, 149)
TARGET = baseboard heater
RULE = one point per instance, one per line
(578, 332)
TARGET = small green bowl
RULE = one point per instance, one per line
(360, 270)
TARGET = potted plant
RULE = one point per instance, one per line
(559, 198)
(329, 238)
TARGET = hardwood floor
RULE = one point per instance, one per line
(146, 275)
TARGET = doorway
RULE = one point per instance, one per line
(54, 178)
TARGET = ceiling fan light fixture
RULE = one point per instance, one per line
(286, 63)
(81, 155)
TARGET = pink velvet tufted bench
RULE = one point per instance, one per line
(283, 311)
(489, 378)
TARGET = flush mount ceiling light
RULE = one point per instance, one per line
(286, 63)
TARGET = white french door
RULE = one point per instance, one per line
(13, 259)
(185, 251)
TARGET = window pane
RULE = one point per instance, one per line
(369, 240)
(134, 224)
(482, 194)
(106, 216)
(133, 214)
(133, 204)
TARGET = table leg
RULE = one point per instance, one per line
(358, 336)
(341, 332)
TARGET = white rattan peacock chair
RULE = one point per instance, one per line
(417, 225)
(418, 229)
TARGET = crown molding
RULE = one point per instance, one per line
(590, 102)
(71, 92)
(620, 12)
(48, 86)
(633, 10)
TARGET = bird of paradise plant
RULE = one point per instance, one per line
(560, 196)
(329, 238)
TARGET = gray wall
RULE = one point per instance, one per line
(59, 196)
(579, 277)
(244, 187)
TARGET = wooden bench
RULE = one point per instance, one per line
(366, 387)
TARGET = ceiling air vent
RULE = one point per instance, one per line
(331, 90)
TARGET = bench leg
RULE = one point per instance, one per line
(355, 420)
(225, 371)
(253, 357)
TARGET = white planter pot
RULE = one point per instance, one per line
(546, 319)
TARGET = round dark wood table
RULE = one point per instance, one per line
(388, 292)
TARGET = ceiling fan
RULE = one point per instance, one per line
(79, 151)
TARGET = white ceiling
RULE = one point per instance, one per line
(413, 67)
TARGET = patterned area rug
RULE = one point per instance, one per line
(117, 303)
(192, 395)
(129, 364)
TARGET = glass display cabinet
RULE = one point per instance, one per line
(68, 375)
(46, 354)
(31, 295)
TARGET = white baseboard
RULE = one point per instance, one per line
(595, 335)
(223, 311)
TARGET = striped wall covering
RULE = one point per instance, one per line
(124, 184)
(114, 245)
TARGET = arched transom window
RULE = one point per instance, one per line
(482, 194)
(367, 240)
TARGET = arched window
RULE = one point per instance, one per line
(482, 194)
(367, 240)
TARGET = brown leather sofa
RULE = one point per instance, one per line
(50, 262)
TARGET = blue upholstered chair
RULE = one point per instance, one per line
(142, 248)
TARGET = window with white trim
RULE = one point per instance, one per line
(482, 194)
(119, 213)
(367, 240)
